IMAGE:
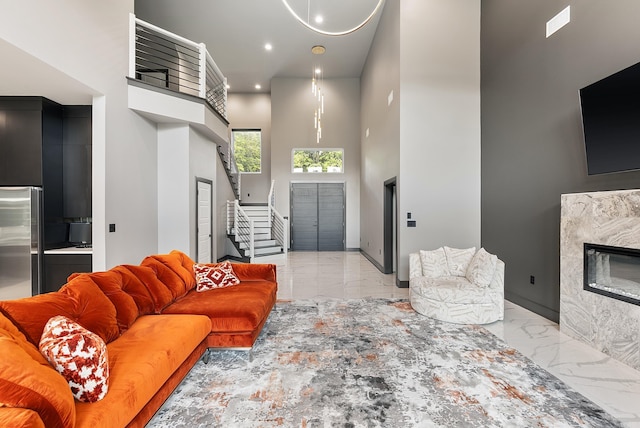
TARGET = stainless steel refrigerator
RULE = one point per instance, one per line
(21, 242)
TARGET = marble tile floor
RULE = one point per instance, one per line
(612, 385)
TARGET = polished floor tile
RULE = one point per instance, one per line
(348, 275)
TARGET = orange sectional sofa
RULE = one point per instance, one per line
(155, 325)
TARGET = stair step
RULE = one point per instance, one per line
(267, 251)
(260, 244)
(256, 236)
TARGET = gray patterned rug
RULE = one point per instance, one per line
(373, 363)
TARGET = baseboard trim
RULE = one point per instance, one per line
(539, 309)
(372, 260)
(402, 284)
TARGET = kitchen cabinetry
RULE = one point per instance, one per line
(59, 264)
(31, 154)
(77, 161)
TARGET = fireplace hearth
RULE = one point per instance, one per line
(613, 272)
(603, 309)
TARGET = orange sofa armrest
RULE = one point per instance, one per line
(255, 271)
(19, 417)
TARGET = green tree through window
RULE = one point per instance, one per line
(315, 160)
(247, 149)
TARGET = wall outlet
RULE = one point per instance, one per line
(532, 279)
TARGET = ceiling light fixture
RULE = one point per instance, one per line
(268, 46)
(319, 19)
(331, 33)
(318, 50)
(258, 86)
(316, 90)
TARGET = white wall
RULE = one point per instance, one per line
(174, 193)
(428, 53)
(292, 106)
(183, 155)
(203, 163)
(253, 111)
(380, 158)
(89, 42)
(439, 125)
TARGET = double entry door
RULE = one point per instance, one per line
(317, 216)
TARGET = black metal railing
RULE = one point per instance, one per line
(166, 60)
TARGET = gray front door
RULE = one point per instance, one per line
(317, 216)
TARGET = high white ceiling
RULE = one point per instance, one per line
(235, 32)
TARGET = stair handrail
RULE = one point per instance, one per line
(277, 223)
(244, 228)
(230, 216)
(271, 201)
(279, 230)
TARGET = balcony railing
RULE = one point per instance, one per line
(166, 60)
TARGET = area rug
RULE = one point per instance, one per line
(373, 363)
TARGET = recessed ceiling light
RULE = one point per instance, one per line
(268, 46)
(319, 19)
(228, 86)
(318, 50)
(258, 86)
(318, 70)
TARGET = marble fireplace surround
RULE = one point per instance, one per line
(606, 218)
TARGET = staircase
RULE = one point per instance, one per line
(231, 169)
(266, 248)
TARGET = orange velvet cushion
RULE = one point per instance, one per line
(79, 355)
(26, 383)
(141, 361)
(187, 262)
(236, 309)
(159, 292)
(110, 282)
(16, 417)
(13, 332)
(171, 272)
(134, 287)
(79, 300)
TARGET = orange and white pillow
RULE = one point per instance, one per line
(210, 277)
(79, 355)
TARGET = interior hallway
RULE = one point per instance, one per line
(349, 275)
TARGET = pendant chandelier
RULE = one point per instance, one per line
(316, 90)
(307, 23)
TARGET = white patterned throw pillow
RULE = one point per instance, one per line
(482, 268)
(79, 355)
(212, 276)
(458, 259)
(434, 263)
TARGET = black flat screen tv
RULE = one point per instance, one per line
(611, 122)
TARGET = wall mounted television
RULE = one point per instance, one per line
(611, 122)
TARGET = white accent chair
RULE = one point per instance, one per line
(460, 286)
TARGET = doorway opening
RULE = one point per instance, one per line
(390, 226)
(204, 215)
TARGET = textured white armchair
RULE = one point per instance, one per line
(457, 285)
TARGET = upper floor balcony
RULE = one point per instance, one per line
(173, 79)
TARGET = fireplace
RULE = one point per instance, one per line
(613, 272)
(587, 310)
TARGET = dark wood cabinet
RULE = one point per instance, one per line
(58, 267)
(77, 162)
(30, 131)
(31, 155)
